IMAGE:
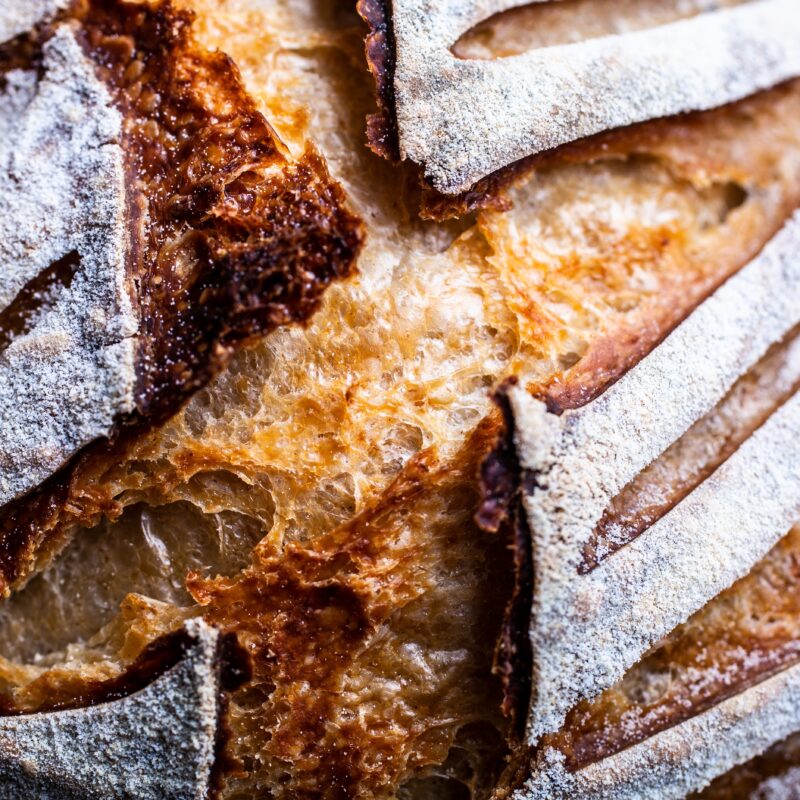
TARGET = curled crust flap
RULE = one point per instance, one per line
(683, 758)
(465, 122)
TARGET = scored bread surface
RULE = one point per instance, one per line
(335, 464)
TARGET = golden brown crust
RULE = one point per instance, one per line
(312, 617)
(230, 249)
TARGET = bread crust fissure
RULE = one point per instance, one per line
(228, 237)
(698, 453)
(500, 513)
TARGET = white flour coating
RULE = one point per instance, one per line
(462, 120)
(19, 16)
(586, 630)
(63, 383)
(681, 759)
(156, 744)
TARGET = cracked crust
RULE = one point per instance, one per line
(600, 623)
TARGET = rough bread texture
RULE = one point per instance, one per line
(156, 744)
(773, 775)
(333, 466)
(463, 120)
(206, 236)
(67, 368)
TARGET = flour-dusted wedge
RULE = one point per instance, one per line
(644, 505)
(150, 734)
(463, 119)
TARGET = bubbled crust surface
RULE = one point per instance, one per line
(354, 427)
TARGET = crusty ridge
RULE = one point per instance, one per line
(587, 629)
(683, 758)
(157, 744)
(464, 120)
(70, 371)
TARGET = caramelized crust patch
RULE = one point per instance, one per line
(321, 621)
(233, 239)
(229, 237)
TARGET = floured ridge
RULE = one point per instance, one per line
(155, 743)
(18, 18)
(592, 622)
(462, 121)
(579, 461)
(71, 374)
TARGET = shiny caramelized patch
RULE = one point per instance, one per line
(333, 627)
(233, 239)
(743, 636)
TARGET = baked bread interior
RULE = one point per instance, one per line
(313, 491)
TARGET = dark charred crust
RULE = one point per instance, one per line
(499, 471)
(382, 135)
(229, 239)
(233, 240)
(501, 511)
